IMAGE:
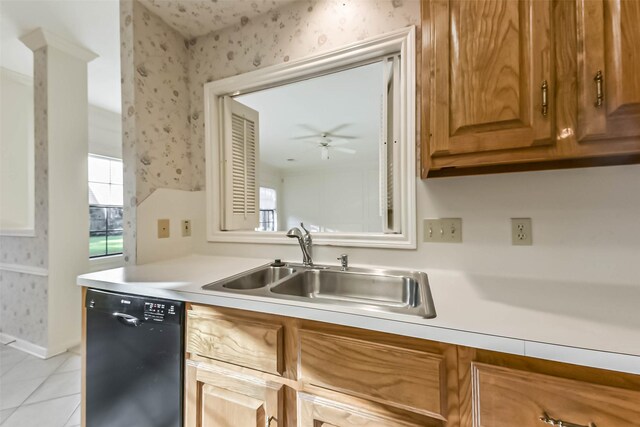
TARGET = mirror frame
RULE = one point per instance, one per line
(403, 41)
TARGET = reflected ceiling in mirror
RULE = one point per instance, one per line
(319, 151)
(340, 111)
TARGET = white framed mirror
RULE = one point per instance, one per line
(328, 140)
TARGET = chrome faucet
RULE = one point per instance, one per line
(344, 261)
(305, 242)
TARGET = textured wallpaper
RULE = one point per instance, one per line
(161, 105)
(297, 30)
(155, 111)
(163, 77)
(23, 306)
(23, 297)
(163, 91)
(194, 18)
(129, 139)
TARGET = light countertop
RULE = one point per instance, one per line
(591, 325)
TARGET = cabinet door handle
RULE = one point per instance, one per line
(598, 79)
(545, 418)
(545, 98)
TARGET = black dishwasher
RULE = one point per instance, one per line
(134, 361)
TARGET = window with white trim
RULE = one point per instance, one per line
(105, 206)
(268, 210)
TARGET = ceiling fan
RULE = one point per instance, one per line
(328, 140)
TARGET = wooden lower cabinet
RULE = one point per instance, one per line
(216, 397)
(409, 379)
(504, 397)
(319, 412)
(335, 376)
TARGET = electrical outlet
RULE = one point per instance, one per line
(521, 232)
(186, 227)
(163, 228)
(443, 230)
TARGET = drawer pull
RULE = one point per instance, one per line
(545, 418)
(599, 91)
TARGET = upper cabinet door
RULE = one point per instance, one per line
(492, 81)
(608, 69)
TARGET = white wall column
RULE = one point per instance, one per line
(61, 111)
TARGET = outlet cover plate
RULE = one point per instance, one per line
(163, 228)
(521, 232)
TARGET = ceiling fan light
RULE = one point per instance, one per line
(324, 153)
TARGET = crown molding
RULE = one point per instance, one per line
(40, 38)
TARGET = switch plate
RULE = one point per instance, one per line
(452, 230)
(186, 227)
(443, 230)
(163, 228)
(521, 232)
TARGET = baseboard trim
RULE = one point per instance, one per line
(26, 346)
(34, 349)
(62, 348)
(25, 269)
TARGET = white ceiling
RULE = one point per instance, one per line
(349, 101)
(94, 24)
(194, 18)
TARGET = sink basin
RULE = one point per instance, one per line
(373, 290)
(393, 292)
(254, 279)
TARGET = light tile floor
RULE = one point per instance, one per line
(39, 393)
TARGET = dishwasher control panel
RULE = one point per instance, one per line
(157, 311)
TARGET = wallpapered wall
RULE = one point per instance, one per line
(161, 105)
(23, 297)
(297, 30)
(158, 60)
(155, 100)
(163, 76)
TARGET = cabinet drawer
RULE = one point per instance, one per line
(316, 411)
(406, 378)
(504, 397)
(255, 345)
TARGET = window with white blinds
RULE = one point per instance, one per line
(240, 157)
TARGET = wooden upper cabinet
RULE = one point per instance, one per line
(492, 79)
(608, 44)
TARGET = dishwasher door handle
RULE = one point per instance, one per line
(127, 319)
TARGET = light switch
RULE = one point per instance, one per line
(443, 230)
(186, 227)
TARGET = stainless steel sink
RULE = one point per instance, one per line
(253, 279)
(388, 291)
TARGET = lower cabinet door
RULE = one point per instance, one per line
(220, 398)
(316, 411)
(505, 397)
